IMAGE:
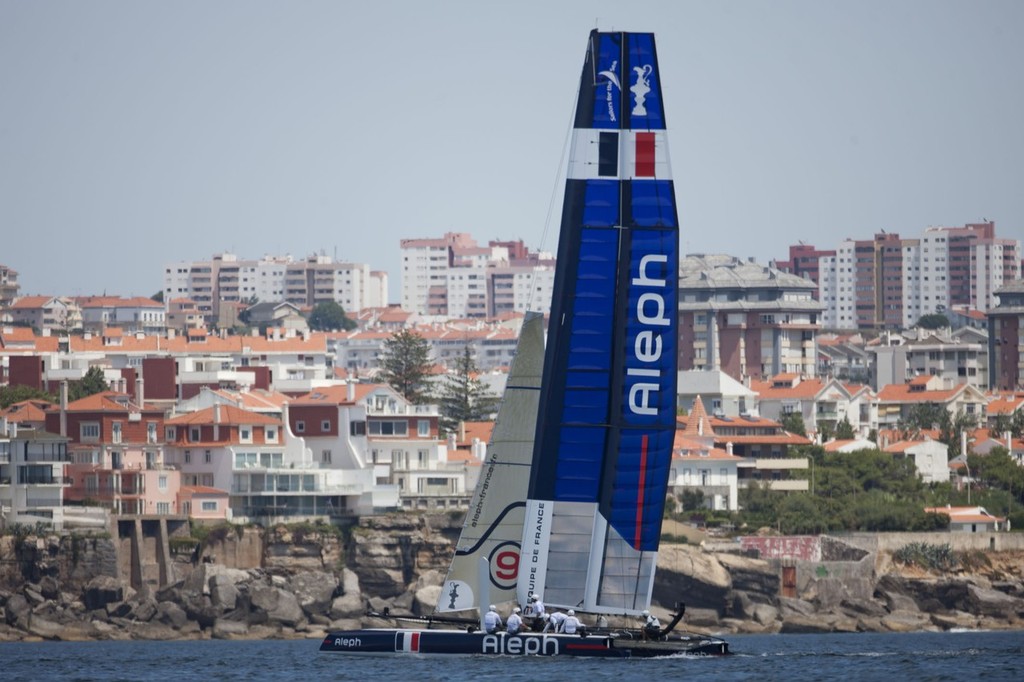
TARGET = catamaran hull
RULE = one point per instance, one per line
(446, 642)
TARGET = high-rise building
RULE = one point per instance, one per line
(1006, 338)
(228, 279)
(890, 283)
(452, 276)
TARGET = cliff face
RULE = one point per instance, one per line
(256, 583)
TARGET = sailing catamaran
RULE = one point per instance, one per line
(572, 491)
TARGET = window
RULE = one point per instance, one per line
(423, 428)
(270, 433)
(170, 434)
(194, 434)
(209, 505)
(300, 426)
(245, 434)
(162, 483)
(325, 425)
(89, 431)
(325, 456)
(207, 457)
(357, 428)
(188, 457)
(150, 432)
(389, 427)
(163, 507)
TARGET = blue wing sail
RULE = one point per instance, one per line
(607, 416)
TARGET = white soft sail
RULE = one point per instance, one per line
(494, 523)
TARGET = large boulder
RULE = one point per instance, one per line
(687, 573)
(102, 590)
(350, 604)
(280, 606)
(993, 603)
(314, 591)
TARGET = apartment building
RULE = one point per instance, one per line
(454, 277)
(9, 287)
(745, 319)
(1006, 338)
(890, 283)
(227, 279)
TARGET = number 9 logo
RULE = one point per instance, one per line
(504, 563)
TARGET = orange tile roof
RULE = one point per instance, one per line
(806, 389)
(229, 415)
(697, 422)
(902, 393)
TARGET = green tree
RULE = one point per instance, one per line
(464, 398)
(405, 365)
(92, 383)
(329, 316)
(844, 430)
(933, 321)
(793, 422)
(16, 394)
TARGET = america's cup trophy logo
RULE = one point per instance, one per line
(641, 89)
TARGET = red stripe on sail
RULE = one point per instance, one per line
(645, 155)
(640, 490)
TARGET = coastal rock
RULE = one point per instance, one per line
(223, 593)
(47, 629)
(957, 620)
(797, 623)
(425, 599)
(152, 631)
(863, 607)
(102, 590)
(279, 605)
(314, 591)
(17, 612)
(350, 604)
(170, 614)
(992, 603)
(230, 629)
(906, 621)
(686, 573)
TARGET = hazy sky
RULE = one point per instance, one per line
(134, 135)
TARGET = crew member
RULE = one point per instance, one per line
(571, 623)
(535, 609)
(515, 622)
(652, 626)
(554, 621)
(492, 621)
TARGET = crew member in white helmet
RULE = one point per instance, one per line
(492, 621)
(571, 623)
(553, 622)
(652, 626)
(514, 623)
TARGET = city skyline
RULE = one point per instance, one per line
(137, 136)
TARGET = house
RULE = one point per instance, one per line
(116, 454)
(46, 313)
(32, 478)
(222, 449)
(28, 414)
(720, 393)
(930, 457)
(850, 445)
(334, 426)
(697, 464)
(764, 448)
(897, 401)
(971, 519)
(821, 403)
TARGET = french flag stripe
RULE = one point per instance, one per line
(608, 155)
(645, 156)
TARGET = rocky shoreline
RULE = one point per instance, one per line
(285, 584)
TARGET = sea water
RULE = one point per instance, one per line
(951, 656)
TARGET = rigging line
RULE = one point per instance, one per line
(559, 181)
